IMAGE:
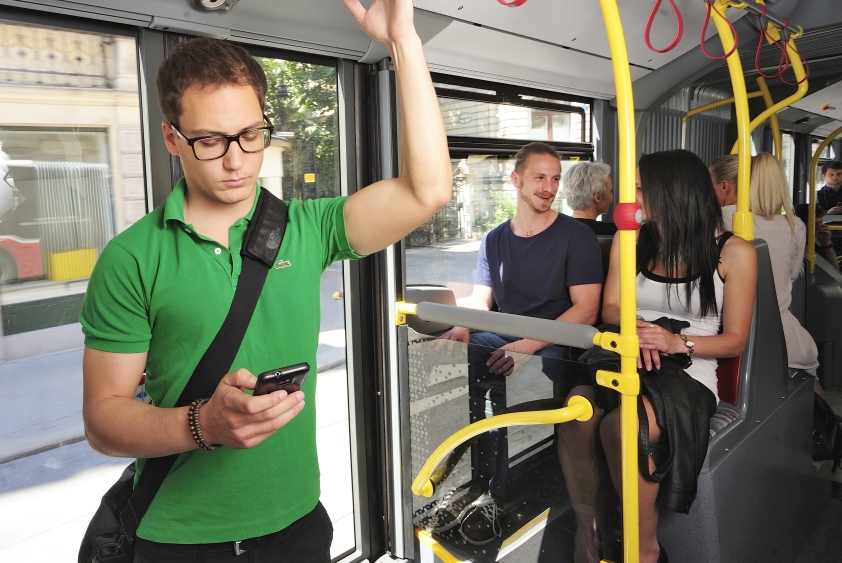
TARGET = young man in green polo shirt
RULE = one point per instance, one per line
(162, 288)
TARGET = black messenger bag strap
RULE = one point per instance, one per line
(260, 247)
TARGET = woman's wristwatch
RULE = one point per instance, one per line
(687, 342)
(823, 247)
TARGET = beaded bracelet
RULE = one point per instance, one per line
(195, 429)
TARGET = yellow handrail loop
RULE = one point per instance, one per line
(578, 408)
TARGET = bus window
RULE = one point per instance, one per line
(504, 121)
(443, 250)
(302, 162)
(788, 159)
(72, 169)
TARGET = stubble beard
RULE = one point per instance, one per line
(537, 204)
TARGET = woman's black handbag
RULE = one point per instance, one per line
(827, 435)
(110, 537)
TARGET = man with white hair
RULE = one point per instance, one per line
(589, 192)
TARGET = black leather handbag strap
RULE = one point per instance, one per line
(260, 247)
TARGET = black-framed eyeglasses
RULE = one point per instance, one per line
(211, 147)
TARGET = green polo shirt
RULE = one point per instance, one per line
(160, 287)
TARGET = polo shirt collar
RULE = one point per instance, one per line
(174, 205)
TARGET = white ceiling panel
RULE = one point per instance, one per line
(579, 25)
(468, 50)
(314, 25)
(827, 128)
(827, 102)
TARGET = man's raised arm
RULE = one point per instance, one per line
(386, 211)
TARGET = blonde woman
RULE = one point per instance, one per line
(776, 223)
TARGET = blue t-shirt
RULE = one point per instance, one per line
(531, 275)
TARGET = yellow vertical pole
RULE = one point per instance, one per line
(773, 119)
(811, 189)
(628, 269)
(743, 223)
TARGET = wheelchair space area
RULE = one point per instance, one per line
(532, 517)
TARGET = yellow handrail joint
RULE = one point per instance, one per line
(402, 309)
(626, 346)
(626, 384)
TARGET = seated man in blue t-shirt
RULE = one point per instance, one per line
(539, 264)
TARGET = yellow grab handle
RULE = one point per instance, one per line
(811, 190)
(716, 104)
(743, 223)
(773, 119)
(800, 76)
(628, 273)
(578, 408)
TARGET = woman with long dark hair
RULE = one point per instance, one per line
(695, 273)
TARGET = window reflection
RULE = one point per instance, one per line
(71, 178)
(71, 166)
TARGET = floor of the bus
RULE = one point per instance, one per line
(541, 506)
(540, 526)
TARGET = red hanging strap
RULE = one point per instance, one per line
(806, 69)
(678, 35)
(704, 31)
(783, 62)
(784, 31)
(513, 3)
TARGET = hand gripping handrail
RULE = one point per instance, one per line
(578, 408)
(544, 330)
(811, 190)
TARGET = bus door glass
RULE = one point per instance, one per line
(502, 496)
(302, 162)
(71, 178)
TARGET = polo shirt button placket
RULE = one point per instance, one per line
(217, 251)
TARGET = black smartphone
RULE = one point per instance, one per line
(290, 379)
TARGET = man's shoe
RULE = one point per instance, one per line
(449, 508)
(480, 523)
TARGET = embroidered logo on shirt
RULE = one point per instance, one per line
(274, 240)
(282, 264)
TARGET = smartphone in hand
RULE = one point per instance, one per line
(289, 379)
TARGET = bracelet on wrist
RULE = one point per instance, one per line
(823, 247)
(195, 429)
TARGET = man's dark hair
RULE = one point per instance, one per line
(835, 164)
(802, 211)
(530, 149)
(206, 62)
